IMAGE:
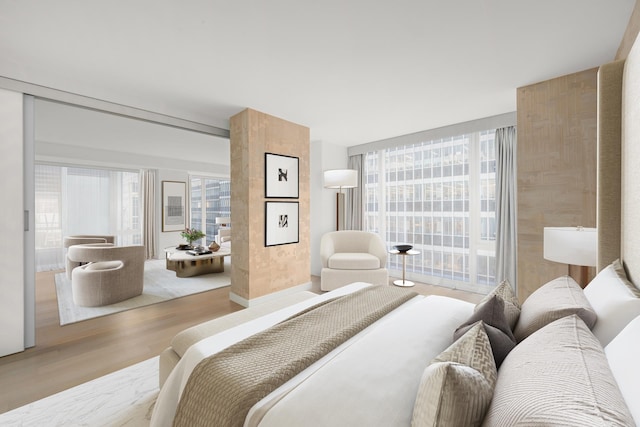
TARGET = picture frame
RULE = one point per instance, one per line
(174, 206)
(281, 175)
(281, 223)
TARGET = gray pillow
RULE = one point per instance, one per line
(555, 299)
(491, 313)
(511, 304)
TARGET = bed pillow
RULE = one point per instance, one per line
(495, 325)
(555, 299)
(623, 353)
(558, 376)
(511, 304)
(615, 300)
(457, 387)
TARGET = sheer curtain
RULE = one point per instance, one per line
(353, 197)
(148, 190)
(48, 218)
(80, 200)
(506, 202)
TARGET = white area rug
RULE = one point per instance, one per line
(160, 285)
(122, 398)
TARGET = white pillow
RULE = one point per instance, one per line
(623, 353)
(612, 298)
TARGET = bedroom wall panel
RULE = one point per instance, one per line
(257, 270)
(556, 168)
(630, 164)
(609, 161)
(630, 33)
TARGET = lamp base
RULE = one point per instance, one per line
(340, 211)
(580, 274)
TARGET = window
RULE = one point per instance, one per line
(79, 200)
(439, 196)
(210, 198)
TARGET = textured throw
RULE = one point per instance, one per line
(223, 387)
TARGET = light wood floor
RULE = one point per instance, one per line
(65, 356)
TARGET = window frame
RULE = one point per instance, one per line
(379, 191)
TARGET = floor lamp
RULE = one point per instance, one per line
(340, 178)
(576, 246)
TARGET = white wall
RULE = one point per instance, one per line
(323, 200)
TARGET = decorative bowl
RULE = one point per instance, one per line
(403, 248)
(184, 247)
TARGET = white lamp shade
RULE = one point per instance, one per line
(341, 178)
(571, 245)
(223, 220)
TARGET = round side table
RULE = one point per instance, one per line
(403, 282)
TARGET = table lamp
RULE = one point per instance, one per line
(340, 178)
(575, 246)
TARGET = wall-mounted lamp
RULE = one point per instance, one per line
(576, 246)
(340, 178)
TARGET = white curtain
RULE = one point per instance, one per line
(353, 196)
(48, 218)
(80, 200)
(506, 202)
(148, 199)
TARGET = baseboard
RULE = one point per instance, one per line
(270, 297)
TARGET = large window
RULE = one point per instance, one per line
(210, 198)
(438, 196)
(80, 200)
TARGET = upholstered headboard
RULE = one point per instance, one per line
(619, 163)
(630, 153)
(609, 160)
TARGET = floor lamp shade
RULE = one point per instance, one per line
(340, 178)
(223, 220)
(575, 246)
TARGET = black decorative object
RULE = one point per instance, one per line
(403, 248)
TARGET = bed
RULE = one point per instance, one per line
(566, 356)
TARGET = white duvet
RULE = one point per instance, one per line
(371, 379)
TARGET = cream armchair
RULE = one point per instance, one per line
(83, 240)
(113, 274)
(224, 237)
(352, 256)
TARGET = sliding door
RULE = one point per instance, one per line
(12, 225)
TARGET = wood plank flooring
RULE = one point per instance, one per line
(65, 356)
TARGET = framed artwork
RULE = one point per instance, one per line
(281, 223)
(174, 205)
(280, 176)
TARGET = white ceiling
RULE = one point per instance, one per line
(353, 71)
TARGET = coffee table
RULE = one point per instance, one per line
(187, 265)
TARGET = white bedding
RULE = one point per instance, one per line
(342, 388)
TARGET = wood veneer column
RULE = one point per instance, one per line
(258, 270)
(556, 168)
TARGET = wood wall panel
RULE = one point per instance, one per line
(556, 168)
(630, 33)
(258, 270)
